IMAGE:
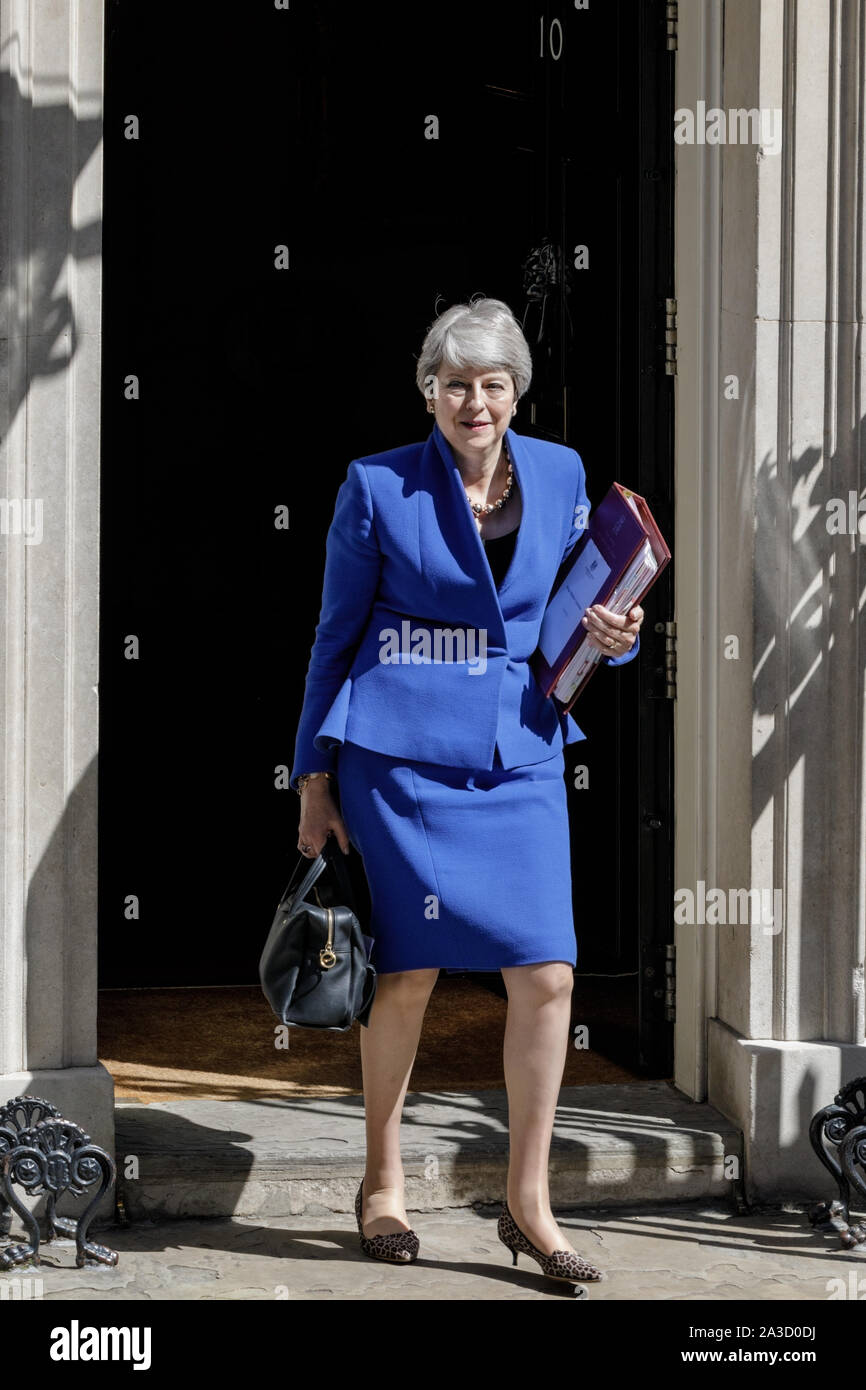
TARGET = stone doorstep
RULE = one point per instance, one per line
(612, 1145)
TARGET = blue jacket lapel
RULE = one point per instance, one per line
(451, 554)
(445, 516)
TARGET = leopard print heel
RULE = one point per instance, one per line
(562, 1264)
(398, 1248)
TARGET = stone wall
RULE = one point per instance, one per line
(50, 253)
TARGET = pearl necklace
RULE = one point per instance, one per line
(486, 508)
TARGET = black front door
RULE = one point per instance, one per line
(290, 199)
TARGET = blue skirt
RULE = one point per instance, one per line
(467, 869)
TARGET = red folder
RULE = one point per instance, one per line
(597, 571)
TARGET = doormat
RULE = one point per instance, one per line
(221, 1044)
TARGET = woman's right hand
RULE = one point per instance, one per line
(319, 818)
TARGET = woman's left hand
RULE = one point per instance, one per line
(605, 628)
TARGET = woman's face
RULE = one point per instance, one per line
(473, 408)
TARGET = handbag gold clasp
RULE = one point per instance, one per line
(327, 958)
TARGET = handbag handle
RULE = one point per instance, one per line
(327, 858)
(315, 871)
(336, 859)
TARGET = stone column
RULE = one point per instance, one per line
(790, 1026)
(50, 254)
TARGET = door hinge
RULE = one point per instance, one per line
(661, 998)
(670, 337)
(670, 666)
(671, 17)
(670, 982)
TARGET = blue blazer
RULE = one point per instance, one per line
(404, 558)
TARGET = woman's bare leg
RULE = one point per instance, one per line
(388, 1048)
(536, 1044)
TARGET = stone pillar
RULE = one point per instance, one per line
(50, 257)
(790, 1026)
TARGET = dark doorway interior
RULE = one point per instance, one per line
(255, 386)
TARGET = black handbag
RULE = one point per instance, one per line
(315, 968)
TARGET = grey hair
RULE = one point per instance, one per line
(483, 333)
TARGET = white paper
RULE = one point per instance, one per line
(571, 601)
(634, 582)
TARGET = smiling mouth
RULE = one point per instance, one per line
(475, 424)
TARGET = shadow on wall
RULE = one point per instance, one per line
(44, 149)
(808, 578)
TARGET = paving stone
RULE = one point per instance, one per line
(684, 1251)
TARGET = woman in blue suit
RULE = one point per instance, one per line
(421, 709)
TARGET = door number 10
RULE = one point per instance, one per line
(551, 42)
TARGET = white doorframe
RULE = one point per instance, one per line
(697, 244)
